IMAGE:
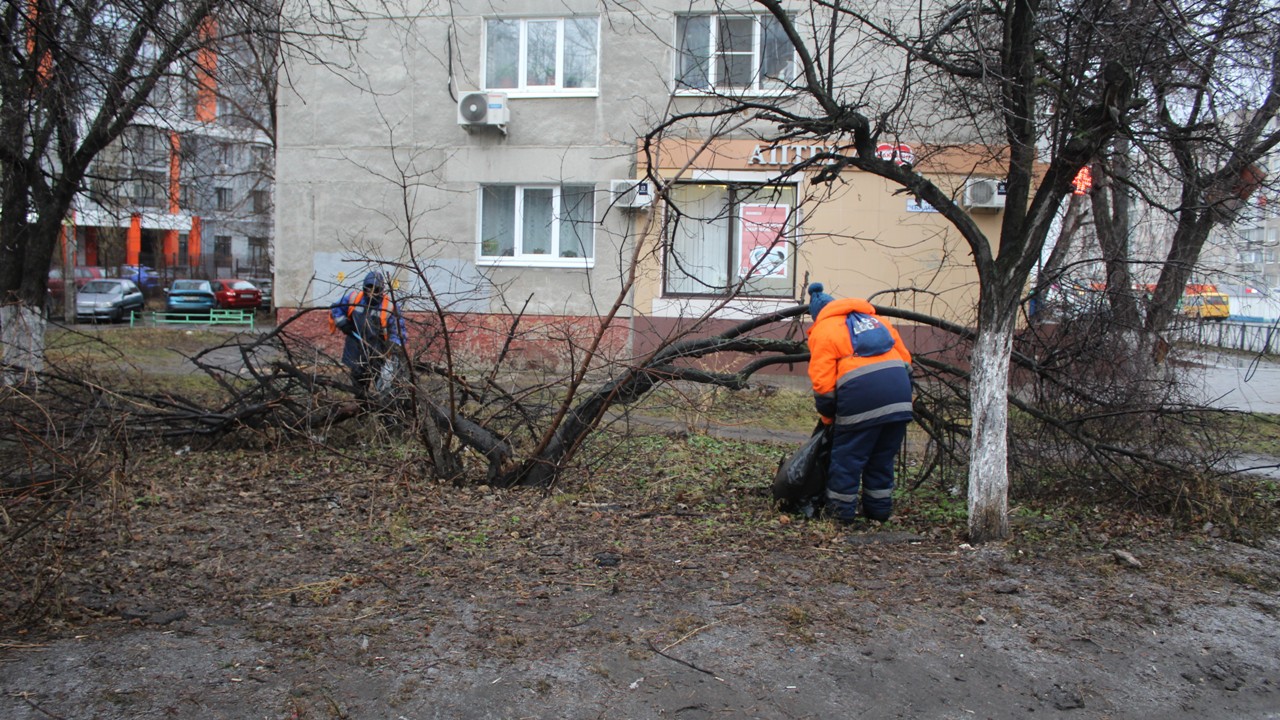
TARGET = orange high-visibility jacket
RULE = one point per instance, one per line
(850, 390)
(348, 304)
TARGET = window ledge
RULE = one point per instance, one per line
(732, 93)
(540, 262)
(513, 94)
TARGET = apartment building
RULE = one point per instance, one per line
(1253, 256)
(187, 190)
(1243, 259)
(500, 160)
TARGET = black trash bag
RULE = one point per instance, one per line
(801, 482)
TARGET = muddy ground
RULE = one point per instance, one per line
(232, 584)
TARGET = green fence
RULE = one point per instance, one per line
(211, 317)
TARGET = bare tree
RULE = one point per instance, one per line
(1038, 91)
(1187, 160)
(1042, 122)
(77, 73)
(1213, 113)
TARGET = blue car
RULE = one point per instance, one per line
(190, 296)
(143, 276)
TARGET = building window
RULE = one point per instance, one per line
(541, 54)
(222, 198)
(258, 254)
(222, 250)
(149, 146)
(733, 52)
(190, 149)
(537, 224)
(148, 189)
(722, 239)
(261, 201)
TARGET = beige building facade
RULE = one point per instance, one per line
(486, 158)
(859, 236)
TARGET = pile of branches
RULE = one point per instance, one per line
(1090, 419)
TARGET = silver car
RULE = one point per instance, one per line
(109, 299)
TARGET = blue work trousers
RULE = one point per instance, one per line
(862, 469)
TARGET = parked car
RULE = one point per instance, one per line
(264, 285)
(56, 284)
(110, 299)
(232, 293)
(142, 276)
(190, 296)
(83, 274)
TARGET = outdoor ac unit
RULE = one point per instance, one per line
(631, 194)
(483, 109)
(984, 194)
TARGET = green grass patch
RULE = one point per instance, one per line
(691, 469)
(1256, 432)
(129, 345)
(766, 407)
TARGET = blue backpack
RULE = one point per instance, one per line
(869, 336)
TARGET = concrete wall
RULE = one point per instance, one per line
(356, 148)
(373, 167)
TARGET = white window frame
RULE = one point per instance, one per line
(742, 180)
(531, 91)
(551, 259)
(757, 53)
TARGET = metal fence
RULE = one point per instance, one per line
(1254, 337)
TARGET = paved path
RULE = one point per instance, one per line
(1250, 384)
(1245, 383)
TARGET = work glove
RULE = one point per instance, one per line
(345, 325)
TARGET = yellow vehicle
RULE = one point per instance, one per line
(1208, 305)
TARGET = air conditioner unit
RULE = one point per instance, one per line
(483, 109)
(631, 194)
(984, 194)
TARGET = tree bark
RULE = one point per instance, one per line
(22, 337)
(989, 446)
(1111, 215)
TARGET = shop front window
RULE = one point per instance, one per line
(730, 239)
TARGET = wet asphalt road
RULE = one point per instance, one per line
(1247, 383)
(1244, 383)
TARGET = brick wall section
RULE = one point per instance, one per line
(309, 329)
(540, 341)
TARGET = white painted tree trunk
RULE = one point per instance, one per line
(989, 445)
(22, 337)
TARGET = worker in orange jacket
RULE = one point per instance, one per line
(861, 376)
(372, 324)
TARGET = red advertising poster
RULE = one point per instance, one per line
(764, 241)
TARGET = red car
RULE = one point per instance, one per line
(236, 294)
(84, 273)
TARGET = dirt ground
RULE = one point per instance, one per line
(232, 584)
